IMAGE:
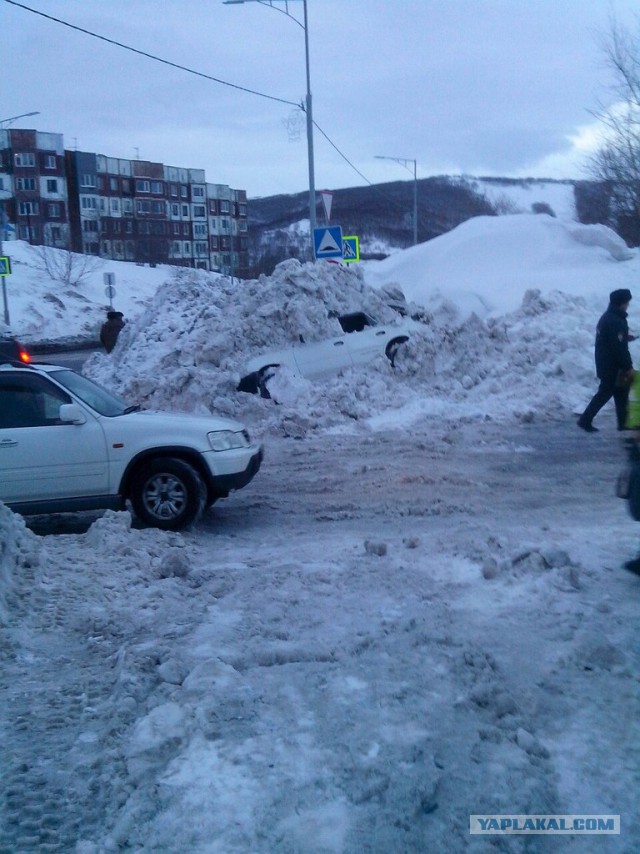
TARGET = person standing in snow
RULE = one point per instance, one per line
(614, 367)
(111, 329)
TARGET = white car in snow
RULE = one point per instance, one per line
(67, 444)
(362, 340)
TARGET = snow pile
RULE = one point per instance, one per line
(19, 550)
(188, 349)
(486, 264)
(54, 294)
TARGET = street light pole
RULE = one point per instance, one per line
(15, 118)
(307, 104)
(404, 161)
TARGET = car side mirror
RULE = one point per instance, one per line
(70, 413)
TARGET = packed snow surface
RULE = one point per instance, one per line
(415, 612)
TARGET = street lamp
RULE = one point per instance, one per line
(404, 161)
(307, 106)
(15, 118)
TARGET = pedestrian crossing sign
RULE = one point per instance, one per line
(351, 249)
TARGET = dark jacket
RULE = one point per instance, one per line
(612, 343)
(110, 331)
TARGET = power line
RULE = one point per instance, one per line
(198, 74)
(150, 55)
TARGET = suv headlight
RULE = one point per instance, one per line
(226, 440)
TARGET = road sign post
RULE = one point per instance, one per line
(5, 270)
(110, 291)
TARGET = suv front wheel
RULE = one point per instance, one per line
(168, 494)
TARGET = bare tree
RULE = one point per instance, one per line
(63, 265)
(617, 163)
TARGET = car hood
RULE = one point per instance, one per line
(206, 423)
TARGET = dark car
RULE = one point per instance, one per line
(13, 351)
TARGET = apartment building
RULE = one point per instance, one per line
(129, 210)
(33, 187)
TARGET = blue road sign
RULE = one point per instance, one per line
(328, 242)
(5, 265)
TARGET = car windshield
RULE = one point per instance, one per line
(91, 393)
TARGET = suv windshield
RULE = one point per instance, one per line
(93, 395)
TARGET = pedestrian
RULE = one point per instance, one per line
(111, 329)
(614, 367)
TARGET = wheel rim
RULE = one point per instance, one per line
(165, 496)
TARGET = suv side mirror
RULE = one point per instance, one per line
(71, 413)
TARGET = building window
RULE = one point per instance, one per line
(142, 186)
(185, 211)
(143, 206)
(117, 246)
(88, 181)
(156, 187)
(55, 232)
(89, 224)
(175, 210)
(115, 206)
(127, 207)
(199, 211)
(224, 207)
(214, 242)
(187, 248)
(201, 249)
(54, 210)
(185, 228)
(176, 228)
(113, 184)
(126, 185)
(88, 203)
(242, 210)
(28, 208)
(199, 229)
(225, 225)
(212, 206)
(173, 190)
(50, 161)
(158, 207)
(52, 185)
(25, 158)
(198, 192)
(128, 227)
(25, 183)
(183, 192)
(243, 225)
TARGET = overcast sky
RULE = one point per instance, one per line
(481, 87)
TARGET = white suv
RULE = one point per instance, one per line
(67, 444)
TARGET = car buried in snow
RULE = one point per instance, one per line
(363, 339)
(67, 444)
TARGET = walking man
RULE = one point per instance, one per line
(613, 362)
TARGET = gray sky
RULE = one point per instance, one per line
(481, 87)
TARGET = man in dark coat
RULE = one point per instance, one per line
(111, 329)
(613, 362)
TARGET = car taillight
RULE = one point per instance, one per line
(25, 357)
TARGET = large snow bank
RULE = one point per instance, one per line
(19, 550)
(188, 350)
(487, 263)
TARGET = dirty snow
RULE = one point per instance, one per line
(415, 612)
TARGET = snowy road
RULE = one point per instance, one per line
(384, 633)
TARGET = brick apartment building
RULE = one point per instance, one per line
(128, 210)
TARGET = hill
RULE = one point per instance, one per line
(381, 214)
